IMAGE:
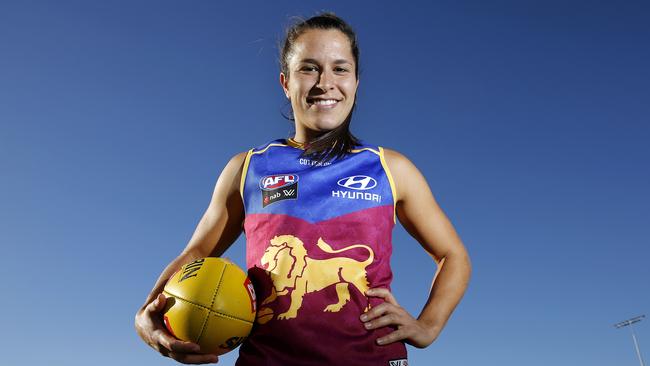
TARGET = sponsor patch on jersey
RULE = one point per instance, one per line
(402, 362)
(278, 187)
(309, 162)
(357, 183)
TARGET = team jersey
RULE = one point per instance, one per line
(317, 237)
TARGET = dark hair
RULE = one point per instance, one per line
(339, 141)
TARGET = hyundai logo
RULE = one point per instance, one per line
(358, 182)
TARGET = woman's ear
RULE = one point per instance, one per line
(284, 82)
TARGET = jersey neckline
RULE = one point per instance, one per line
(293, 143)
(299, 145)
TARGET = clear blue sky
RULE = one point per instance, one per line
(529, 119)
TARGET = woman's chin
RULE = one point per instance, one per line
(325, 126)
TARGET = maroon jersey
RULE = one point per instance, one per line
(317, 237)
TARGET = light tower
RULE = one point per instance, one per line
(629, 322)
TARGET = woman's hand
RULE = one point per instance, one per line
(148, 323)
(389, 313)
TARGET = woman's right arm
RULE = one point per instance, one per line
(220, 226)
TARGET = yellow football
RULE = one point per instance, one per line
(211, 302)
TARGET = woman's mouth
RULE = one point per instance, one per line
(322, 103)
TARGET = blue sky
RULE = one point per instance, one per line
(529, 119)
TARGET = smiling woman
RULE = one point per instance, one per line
(318, 211)
(320, 82)
(320, 76)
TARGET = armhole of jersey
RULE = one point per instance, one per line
(244, 172)
(390, 180)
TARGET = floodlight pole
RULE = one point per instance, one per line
(636, 344)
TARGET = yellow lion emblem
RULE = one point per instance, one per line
(292, 270)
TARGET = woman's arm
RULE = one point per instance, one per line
(423, 219)
(219, 227)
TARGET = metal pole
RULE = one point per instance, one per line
(636, 343)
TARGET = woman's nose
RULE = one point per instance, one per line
(324, 81)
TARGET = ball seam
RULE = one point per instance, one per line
(208, 309)
(214, 296)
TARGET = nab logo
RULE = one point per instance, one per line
(402, 362)
(278, 187)
(272, 182)
(358, 182)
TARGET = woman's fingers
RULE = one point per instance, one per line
(193, 358)
(384, 294)
(174, 345)
(151, 328)
(184, 352)
(157, 304)
(389, 309)
(392, 337)
(378, 311)
(391, 314)
(386, 320)
(170, 345)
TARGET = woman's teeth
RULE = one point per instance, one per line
(324, 102)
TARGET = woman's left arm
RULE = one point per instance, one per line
(423, 219)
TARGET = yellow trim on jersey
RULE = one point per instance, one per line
(391, 181)
(293, 143)
(365, 148)
(267, 147)
(244, 173)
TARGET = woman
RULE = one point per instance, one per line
(318, 211)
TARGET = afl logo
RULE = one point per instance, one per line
(358, 182)
(273, 182)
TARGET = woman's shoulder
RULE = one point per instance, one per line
(406, 175)
(395, 159)
(236, 163)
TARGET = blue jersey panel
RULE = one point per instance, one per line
(279, 181)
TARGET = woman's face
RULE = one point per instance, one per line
(322, 82)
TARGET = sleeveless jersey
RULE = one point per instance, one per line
(317, 237)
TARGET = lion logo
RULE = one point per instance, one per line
(293, 271)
